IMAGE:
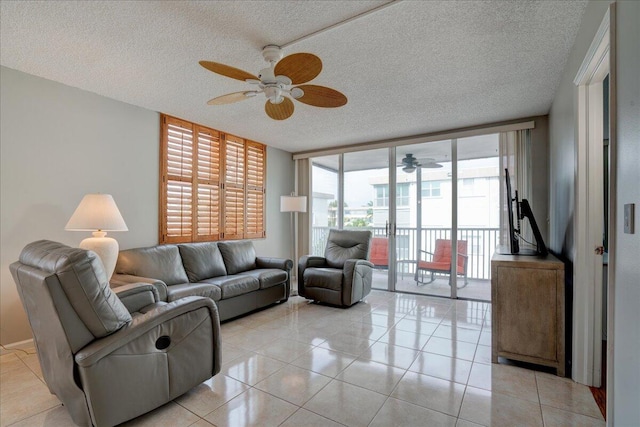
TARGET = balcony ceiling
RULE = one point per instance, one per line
(410, 68)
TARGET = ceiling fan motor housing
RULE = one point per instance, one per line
(272, 53)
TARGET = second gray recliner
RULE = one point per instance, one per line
(343, 276)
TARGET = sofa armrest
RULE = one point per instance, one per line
(118, 280)
(350, 266)
(134, 296)
(356, 278)
(305, 262)
(280, 263)
(269, 262)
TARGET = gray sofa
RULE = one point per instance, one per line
(229, 273)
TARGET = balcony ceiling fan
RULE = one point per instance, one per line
(282, 80)
(410, 163)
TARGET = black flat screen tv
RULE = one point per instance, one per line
(523, 210)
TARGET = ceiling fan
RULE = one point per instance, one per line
(410, 163)
(283, 78)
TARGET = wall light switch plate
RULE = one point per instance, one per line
(629, 213)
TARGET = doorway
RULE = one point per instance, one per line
(590, 225)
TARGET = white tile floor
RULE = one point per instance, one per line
(476, 289)
(391, 360)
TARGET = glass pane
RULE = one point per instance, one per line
(324, 200)
(478, 214)
(423, 215)
(366, 204)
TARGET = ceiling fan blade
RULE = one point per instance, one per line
(320, 96)
(228, 71)
(432, 165)
(299, 67)
(230, 98)
(281, 111)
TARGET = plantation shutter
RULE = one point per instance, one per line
(255, 210)
(212, 185)
(177, 184)
(234, 188)
(208, 185)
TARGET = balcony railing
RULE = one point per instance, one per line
(481, 244)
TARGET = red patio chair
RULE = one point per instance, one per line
(440, 261)
(379, 255)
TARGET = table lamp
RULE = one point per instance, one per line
(99, 213)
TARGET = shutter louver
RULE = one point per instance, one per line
(255, 212)
(234, 190)
(208, 185)
(233, 213)
(179, 210)
(177, 188)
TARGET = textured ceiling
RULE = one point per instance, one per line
(410, 68)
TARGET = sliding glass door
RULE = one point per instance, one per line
(423, 216)
(366, 205)
(478, 214)
(325, 178)
(434, 215)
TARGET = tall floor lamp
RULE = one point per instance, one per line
(99, 213)
(293, 205)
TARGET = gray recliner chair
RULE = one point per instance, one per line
(343, 276)
(111, 357)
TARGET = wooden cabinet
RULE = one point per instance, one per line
(527, 310)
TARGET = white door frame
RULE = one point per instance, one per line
(588, 226)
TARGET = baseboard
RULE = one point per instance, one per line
(20, 346)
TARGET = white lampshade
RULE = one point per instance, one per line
(99, 213)
(96, 212)
(293, 203)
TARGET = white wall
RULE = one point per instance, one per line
(562, 201)
(58, 143)
(627, 268)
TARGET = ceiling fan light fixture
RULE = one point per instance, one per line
(274, 94)
(296, 93)
(283, 80)
(409, 169)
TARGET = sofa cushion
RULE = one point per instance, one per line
(267, 277)
(328, 278)
(158, 262)
(194, 289)
(202, 260)
(238, 256)
(232, 286)
(84, 282)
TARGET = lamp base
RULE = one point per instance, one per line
(107, 250)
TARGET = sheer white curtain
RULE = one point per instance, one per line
(515, 155)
